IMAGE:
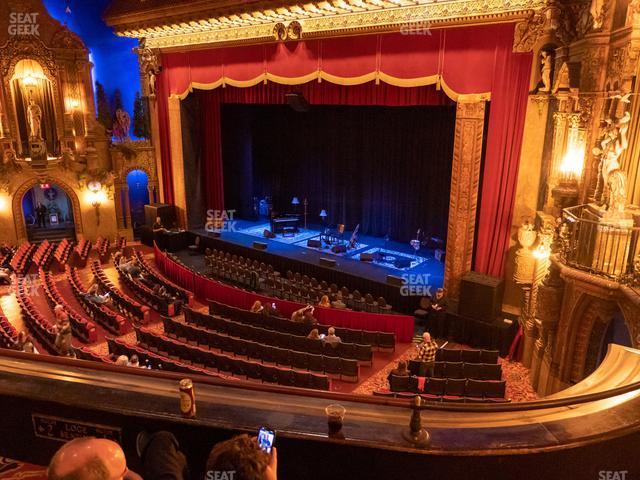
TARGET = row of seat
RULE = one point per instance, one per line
(8, 334)
(83, 249)
(480, 371)
(342, 368)
(82, 328)
(102, 247)
(467, 356)
(185, 296)
(21, 260)
(153, 300)
(446, 389)
(110, 320)
(362, 353)
(43, 254)
(43, 330)
(63, 251)
(382, 340)
(119, 347)
(226, 363)
(126, 305)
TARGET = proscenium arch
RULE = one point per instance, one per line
(18, 214)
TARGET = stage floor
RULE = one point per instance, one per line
(424, 269)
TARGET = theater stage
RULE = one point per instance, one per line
(424, 276)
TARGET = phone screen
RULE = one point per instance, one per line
(266, 438)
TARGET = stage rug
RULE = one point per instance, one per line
(391, 256)
(327, 249)
(257, 231)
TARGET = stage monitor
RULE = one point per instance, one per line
(314, 243)
(328, 262)
(259, 245)
(395, 281)
(167, 214)
(366, 257)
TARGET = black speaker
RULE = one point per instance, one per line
(259, 245)
(167, 214)
(366, 257)
(480, 296)
(395, 281)
(327, 262)
(314, 243)
(339, 249)
(268, 234)
(402, 262)
(297, 102)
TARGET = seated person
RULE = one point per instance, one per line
(314, 334)
(301, 314)
(130, 267)
(5, 276)
(331, 337)
(243, 456)
(95, 295)
(25, 343)
(324, 302)
(256, 307)
(400, 371)
(89, 459)
(338, 303)
(134, 361)
(271, 310)
(122, 361)
(158, 227)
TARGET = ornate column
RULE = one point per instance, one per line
(177, 162)
(465, 177)
(126, 206)
(119, 200)
(523, 275)
(549, 307)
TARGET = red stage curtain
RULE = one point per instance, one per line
(165, 143)
(212, 152)
(502, 158)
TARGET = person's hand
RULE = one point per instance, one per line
(271, 472)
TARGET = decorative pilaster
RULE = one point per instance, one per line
(177, 162)
(465, 177)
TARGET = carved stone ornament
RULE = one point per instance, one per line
(149, 66)
(528, 31)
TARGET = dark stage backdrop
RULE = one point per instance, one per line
(385, 168)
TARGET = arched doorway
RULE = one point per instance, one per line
(48, 213)
(138, 185)
(616, 332)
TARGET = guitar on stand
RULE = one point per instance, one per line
(353, 241)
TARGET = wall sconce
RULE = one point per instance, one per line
(572, 164)
(29, 81)
(565, 193)
(4, 204)
(73, 104)
(96, 197)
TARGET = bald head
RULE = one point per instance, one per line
(88, 459)
(426, 337)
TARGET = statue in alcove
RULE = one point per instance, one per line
(546, 66)
(122, 125)
(34, 119)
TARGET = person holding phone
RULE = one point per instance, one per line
(244, 456)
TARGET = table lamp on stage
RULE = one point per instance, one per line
(296, 204)
(323, 216)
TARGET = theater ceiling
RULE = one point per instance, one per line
(167, 23)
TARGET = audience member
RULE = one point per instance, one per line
(302, 314)
(400, 371)
(5, 276)
(134, 361)
(161, 456)
(24, 343)
(338, 303)
(95, 295)
(324, 302)
(314, 334)
(331, 337)
(243, 456)
(257, 307)
(90, 459)
(438, 313)
(63, 332)
(158, 227)
(122, 361)
(427, 355)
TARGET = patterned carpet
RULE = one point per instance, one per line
(519, 388)
(14, 470)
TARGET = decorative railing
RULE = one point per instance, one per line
(599, 244)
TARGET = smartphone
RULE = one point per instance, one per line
(266, 438)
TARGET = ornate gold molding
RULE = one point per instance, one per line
(319, 19)
(465, 178)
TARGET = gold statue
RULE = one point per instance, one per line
(34, 119)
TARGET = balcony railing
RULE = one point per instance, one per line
(607, 247)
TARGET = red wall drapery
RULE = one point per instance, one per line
(208, 289)
(466, 60)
